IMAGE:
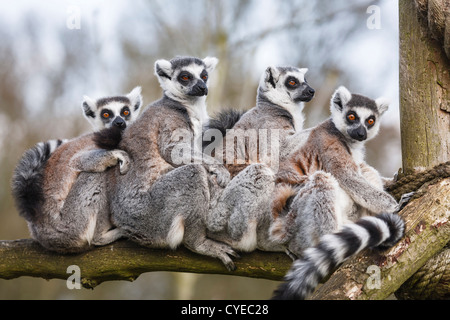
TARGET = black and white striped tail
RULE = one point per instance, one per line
(381, 231)
(28, 176)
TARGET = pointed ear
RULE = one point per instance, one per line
(304, 70)
(382, 104)
(340, 98)
(163, 69)
(210, 63)
(271, 76)
(135, 98)
(89, 107)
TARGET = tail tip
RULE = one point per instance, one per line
(396, 225)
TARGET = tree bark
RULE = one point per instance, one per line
(424, 91)
(432, 281)
(428, 231)
(425, 130)
(124, 260)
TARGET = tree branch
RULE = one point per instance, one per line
(432, 281)
(125, 260)
(428, 231)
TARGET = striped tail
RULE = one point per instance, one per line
(381, 231)
(28, 176)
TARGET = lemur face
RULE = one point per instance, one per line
(185, 77)
(355, 116)
(283, 85)
(113, 111)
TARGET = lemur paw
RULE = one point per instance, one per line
(123, 160)
(404, 200)
(221, 174)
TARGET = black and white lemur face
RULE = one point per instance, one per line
(286, 85)
(355, 116)
(113, 111)
(185, 77)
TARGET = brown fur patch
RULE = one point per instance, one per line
(282, 194)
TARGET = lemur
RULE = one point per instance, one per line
(324, 188)
(48, 179)
(280, 99)
(162, 202)
(235, 217)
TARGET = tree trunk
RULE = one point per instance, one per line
(424, 90)
(425, 131)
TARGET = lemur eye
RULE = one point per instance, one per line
(105, 114)
(351, 117)
(126, 113)
(292, 82)
(205, 77)
(185, 78)
(371, 121)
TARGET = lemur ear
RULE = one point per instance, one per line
(163, 69)
(382, 104)
(210, 63)
(89, 107)
(271, 76)
(340, 98)
(304, 70)
(135, 98)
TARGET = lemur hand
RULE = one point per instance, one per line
(221, 174)
(123, 160)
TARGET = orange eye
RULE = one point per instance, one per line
(351, 117)
(205, 78)
(185, 78)
(105, 115)
(126, 113)
(292, 83)
(370, 122)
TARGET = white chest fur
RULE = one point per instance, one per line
(199, 116)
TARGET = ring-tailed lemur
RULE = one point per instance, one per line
(161, 202)
(280, 99)
(323, 186)
(46, 183)
(281, 95)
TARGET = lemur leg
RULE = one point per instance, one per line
(99, 160)
(320, 208)
(173, 212)
(76, 226)
(375, 180)
(241, 200)
(240, 209)
(105, 231)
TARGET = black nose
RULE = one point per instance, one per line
(200, 89)
(359, 133)
(311, 91)
(120, 123)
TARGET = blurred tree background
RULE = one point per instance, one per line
(54, 53)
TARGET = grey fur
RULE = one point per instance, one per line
(337, 188)
(383, 231)
(241, 212)
(162, 202)
(65, 207)
(277, 107)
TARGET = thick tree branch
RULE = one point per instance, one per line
(432, 281)
(428, 231)
(124, 260)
